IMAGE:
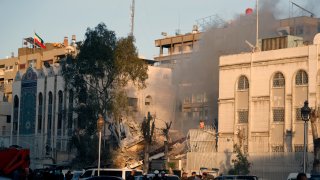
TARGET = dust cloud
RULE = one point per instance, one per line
(200, 73)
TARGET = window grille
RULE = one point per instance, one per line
(278, 80)
(277, 148)
(298, 114)
(278, 114)
(301, 78)
(243, 116)
(243, 83)
(299, 148)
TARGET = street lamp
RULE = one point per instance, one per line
(100, 124)
(305, 115)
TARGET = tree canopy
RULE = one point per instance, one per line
(99, 73)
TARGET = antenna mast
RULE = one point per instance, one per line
(303, 9)
(132, 17)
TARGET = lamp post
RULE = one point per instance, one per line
(100, 124)
(305, 115)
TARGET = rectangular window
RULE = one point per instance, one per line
(243, 116)
(298, 114)
(133, 102)
(278, 114)
(8, 118)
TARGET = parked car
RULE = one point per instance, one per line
(76, 174)
(104, 178)
(150, 176)
(315, 177)
(236, 177)
(123, 173)
(293, 176)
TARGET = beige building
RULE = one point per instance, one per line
(178, 47)
(260, 97)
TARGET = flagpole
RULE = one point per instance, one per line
(257, 23)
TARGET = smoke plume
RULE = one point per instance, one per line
(200, 74)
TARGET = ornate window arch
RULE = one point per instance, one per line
(243, 83)
(301, 78)
(278, 80)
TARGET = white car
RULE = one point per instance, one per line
(122, 173)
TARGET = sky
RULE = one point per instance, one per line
(55, 19)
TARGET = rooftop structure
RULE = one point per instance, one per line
(29, 56)
(179, 47)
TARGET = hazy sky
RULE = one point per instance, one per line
(54, 19)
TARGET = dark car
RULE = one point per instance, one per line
(105, 177)
(315, 177)
(236, 177)
(150, 176)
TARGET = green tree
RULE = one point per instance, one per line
(241, 165)
(98, 75)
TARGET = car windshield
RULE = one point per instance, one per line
(86, 174)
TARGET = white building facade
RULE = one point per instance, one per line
(42, 116)
(260, 97)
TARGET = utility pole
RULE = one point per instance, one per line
(132, 17)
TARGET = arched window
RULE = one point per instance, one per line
(148, 100)
(40, 99)
(301, 78)
(15, 114)
(16, 101)
(49, 125)
(40, 111)
(50, 97)
(278, 80)
(60, 98)
(49, 113)
(70, 112)
(243, 83)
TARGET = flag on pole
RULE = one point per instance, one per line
(38, 41)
